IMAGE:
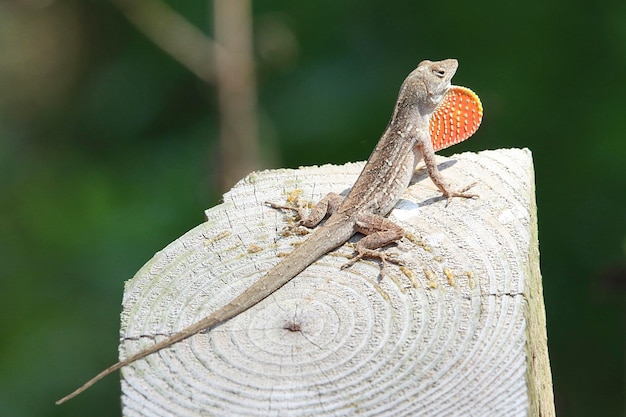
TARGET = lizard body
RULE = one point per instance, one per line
(387, 173)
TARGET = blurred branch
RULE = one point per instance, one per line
(236, 89)
(227, 62)
(172, 33)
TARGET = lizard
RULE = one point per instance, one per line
(429, 114)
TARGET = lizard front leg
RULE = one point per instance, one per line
(379, 231)
(428, 154)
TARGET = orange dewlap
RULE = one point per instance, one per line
(457, 117)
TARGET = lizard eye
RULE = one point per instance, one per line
(439, 72)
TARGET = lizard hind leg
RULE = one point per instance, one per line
(324, 208)
(379, 231)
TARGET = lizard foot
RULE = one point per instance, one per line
(298, 209)
(451, 194)
(370, 253)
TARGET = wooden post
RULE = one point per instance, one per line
(458, 330)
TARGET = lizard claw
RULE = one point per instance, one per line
(368, 253)
(280, 206)
(352, 261)
(299, 211)
(451, 194)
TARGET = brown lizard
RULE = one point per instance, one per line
(430, 114)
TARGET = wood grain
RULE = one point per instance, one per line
(459, 330)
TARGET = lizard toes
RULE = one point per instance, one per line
(394, 259)
(460, 194)
(352, 261)
(468, 187)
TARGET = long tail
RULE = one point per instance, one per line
(333, 234)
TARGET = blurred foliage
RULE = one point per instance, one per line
(107, 153)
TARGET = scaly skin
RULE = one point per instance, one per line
(406, 140)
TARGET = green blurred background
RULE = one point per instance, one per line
(109, 151)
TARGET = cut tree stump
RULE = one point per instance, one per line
(459, 330)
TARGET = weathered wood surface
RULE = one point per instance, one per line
(459, 330)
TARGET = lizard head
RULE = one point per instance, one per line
(424, 88)
(423, 91)
(436, 78)
(427, 100)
